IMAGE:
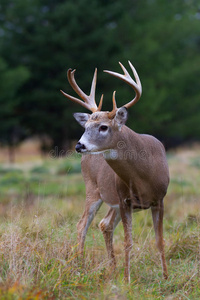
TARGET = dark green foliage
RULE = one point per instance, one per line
(41, 39)
(11, 80)
(40, 170)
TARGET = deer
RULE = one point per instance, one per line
(126, 170)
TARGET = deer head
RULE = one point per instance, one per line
(101, 128)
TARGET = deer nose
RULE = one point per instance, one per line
(79, 147)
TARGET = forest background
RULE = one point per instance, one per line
(40, 40)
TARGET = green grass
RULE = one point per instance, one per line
(39, 209)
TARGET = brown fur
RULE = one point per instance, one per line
(136, 178)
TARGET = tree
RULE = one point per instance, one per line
(11, 132)
(161, 38)
(49, 37)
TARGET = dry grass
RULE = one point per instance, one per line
(38, 247)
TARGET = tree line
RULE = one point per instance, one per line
(40, 40)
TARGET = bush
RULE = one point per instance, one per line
(69, 167)
(40, 170)
(9, 171)
(11, 178)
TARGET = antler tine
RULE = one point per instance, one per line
(112, 113)
(74, 85)
(76, 100)
(89, 101)
(93, 87)
(136, 76)
(128, 79)
(100, 103)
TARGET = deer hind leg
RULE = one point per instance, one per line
(126, 215)
(91, 208)
(107, 226)
(157, 215)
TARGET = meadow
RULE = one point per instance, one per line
(40, 205)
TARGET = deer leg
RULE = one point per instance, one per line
(126, 215)
(91, 209)
(157, 215)
(107, 226)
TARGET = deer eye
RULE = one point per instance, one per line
(103, 128)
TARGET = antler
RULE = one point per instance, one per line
(135, 85)
(89, 101)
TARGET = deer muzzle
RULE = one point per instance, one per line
(79, 147)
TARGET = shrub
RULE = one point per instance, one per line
(69, 167)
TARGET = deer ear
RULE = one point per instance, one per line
(121, 116)
(81, 118)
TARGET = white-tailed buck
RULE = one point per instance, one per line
(128, 172)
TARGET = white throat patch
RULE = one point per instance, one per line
(110, 154)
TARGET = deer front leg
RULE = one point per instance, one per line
(157, 215)
(126, 215)
(107, 226)
(91, 208)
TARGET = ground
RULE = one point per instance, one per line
(41, 202)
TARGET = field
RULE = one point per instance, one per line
(40, 205)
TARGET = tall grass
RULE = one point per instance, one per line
(39, 210)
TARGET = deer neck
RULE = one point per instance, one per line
(123, 156)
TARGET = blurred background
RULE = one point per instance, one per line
(40, 40)
(42, 198)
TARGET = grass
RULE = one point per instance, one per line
(40, 206)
